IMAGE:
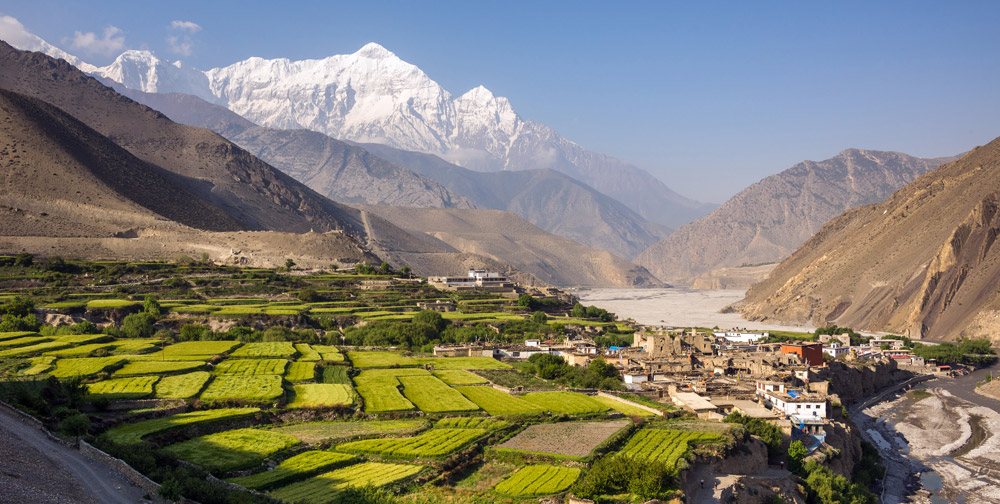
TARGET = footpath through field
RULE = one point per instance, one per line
(33, 468)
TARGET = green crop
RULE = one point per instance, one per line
(183, 386)
(242, 387)
(431, 395)
(294, 468)
(133, 433)
(232, 450)
(300, 371)
(319, 395)
(320, 489)
(122, 388)
(664, 445)
(157, 367)
(570, 403)
(496, 402)
(459, 377)
(538, 480)
(282, 349)
(252, 367)
(84, 366)
(434, 443)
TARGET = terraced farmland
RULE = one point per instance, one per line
(431, 395)
(199, 349)
(253, 388)
(134, 432)
(384, 359)
(622, 407)
(295, 468)
(320, 489)
(183, 386)
(328, 353)
(157, 367)
(232, 450)
(321, 395)
(252, 367)
(39, 365)
(570, 403)
(307, 353)
(538, 480)
(380, 389)
(499, 403)
(283, 349)
(84, 366)
(434, 443)
(664, 445)
(122, 388)
(459, 377)
(317, 432)
(335, 374)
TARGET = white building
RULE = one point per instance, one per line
(635, 377)
(836, 350)
(475, 278)
(742, 338)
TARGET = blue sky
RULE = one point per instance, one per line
(709, 96)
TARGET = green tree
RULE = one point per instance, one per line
(431, 318)
(289, 263)
(796, 452)
(75, 425)
(309, 295)
(526, 301)
(406, 271)
(138, 325)
(539, 317)
(384, 268)
(151, 306)
(24, 259)
(578, 311)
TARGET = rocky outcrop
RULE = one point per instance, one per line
(861, 379)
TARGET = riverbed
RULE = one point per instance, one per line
(677, 307)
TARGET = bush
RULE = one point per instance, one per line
(151, 306)
(75, 425)
(769, 433)
(138, 325)
(796, 452)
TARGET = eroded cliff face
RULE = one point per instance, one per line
(923, 263)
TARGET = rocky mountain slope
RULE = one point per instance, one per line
(374, 96)
(923, 263)
(765, 222)
(344, 172)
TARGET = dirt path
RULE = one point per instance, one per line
(33, 468)
(712, 493)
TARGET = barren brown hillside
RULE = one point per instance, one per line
(923, 263)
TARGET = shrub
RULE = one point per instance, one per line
(138, 325)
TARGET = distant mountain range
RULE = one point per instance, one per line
(924, 263)
(372, 96)
(767, 221)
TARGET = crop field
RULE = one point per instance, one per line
(496, 402)
(39, 365)
(459, 377)
(383, 359)
(243, 387)
(328, 353)
(320, 395)
(135, 346)
(300, 371)
(16, 334)
(97, 304)
(24, 341)
(252, 367)
(569, 439)
(471, 423)
(538, 480)
(335, 374)
(134, 432)
(201, 349)
(282, 349)
(429, 444)
(307, 353)
(431, 395)
(58, 343)
(157, 367)
(136, 387)
(622, 407)
(320, 489)
(318, 432)
(232, 450)
(80, 351)
(664, 445)
(84, 366)
(570, 403)
(294, 468)
(183, 386)
(380, 389)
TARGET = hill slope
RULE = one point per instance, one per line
(767, 221)
(923, 263)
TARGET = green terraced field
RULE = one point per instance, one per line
(434, 443)
(380, 389)
(431, 395)
(460, 377)
(157, 367)
(538, 480)
(496, 402)
(96, 304)
(624, 408)
(183, 386)
(295, 468)
(252, 367)
(15, 335)
(336, 374)
(384, 359)
(320, 489)
(232, 450)
(117, 389)
(317, 432)
(471, 423)
(39, 365)
(24, 341)
(283, 349)
(307, 353)
(253, 388)
(80, 351)
(320, 395)
(570, 403)
(134, 432)
(135, 346)
(301, 371)
(329, 353)
(85, 366)
(194, 350)
(58, 343)
(664, 445)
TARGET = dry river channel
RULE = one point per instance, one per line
(939, 440)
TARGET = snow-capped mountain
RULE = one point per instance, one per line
(373, 96)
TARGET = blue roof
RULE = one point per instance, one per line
(794, 393)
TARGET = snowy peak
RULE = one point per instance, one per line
(14, 33)
(373, 50)
(144, 71)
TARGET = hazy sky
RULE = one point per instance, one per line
(709, 96)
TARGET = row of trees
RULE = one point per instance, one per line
(597, 374)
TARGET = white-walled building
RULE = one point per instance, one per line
(836, 350)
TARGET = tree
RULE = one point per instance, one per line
(796, 452)
(24, 259)
(526, 301)
(289, 263)
(539, 317)
(384, 268)
(75, 425)
(578, 311)
(405, 270)
(138, 325)
(431, 318)
(151, 306)
(309, 295)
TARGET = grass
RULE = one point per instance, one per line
(300, 371)
(134, 432)
(247, 388)
(384, 359)
(295, 468)
(664, 445)
(84, 366)
(459, 377)
(114, 389)
(232, 450)
(318, 432)
(158, 367)
(252, 367)
(570, 403)
(321, 489)
(283, 349)
(183, 386)
(335, 374)
(431, 395)
(538, 480)
(499, 403)
(621, 407)
(320, 395)
(434, 443)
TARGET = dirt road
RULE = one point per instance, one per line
(35, 469)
